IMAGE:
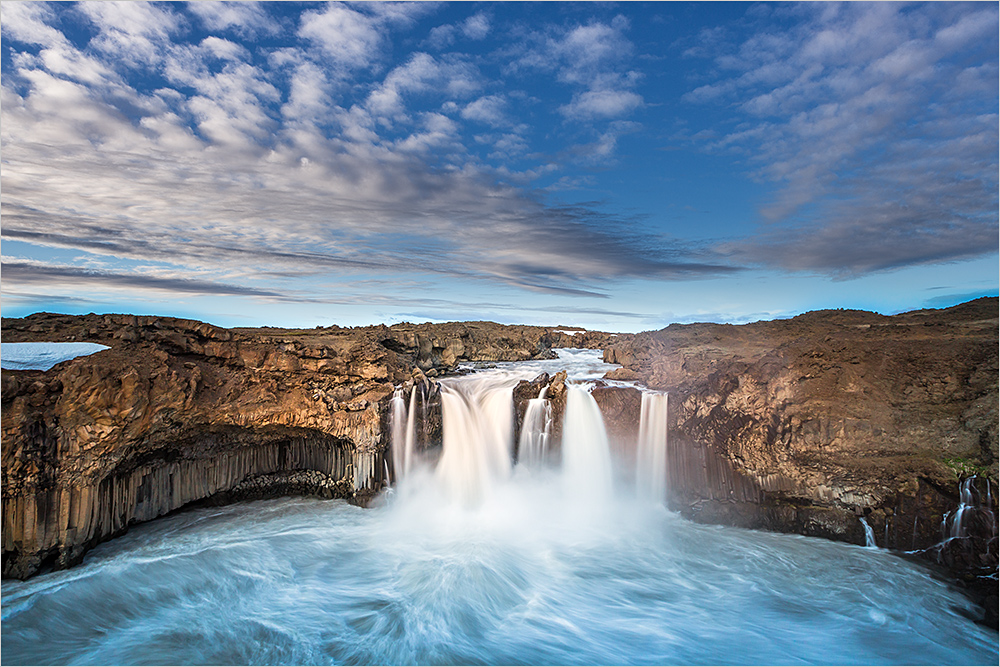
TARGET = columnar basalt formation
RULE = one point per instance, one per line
(177, 412)
(809, 424)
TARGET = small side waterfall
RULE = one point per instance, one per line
(651, 459)
(966, 502)
(869, 534)
(586, 454)
(533, 446)
(399, 423)
(971, 508)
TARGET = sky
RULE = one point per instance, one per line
(616, 166)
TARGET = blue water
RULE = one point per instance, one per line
(522, 578)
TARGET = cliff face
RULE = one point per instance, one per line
(806, 425)
(175, 412)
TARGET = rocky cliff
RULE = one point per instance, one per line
(811, 424)
(805, 425)
(178, 412)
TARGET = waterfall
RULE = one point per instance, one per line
(533, 446)
(477, 449)
(398, 432)
(403, 432)
(869, 534)
(955, 524)
(478, 430)
(411, 432)
(966, 501)
(586, 454)
(651, 459)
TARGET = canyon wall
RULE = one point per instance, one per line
(809, 425)
(804, 425)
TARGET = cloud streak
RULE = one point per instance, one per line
(204, 175)
(878, 124)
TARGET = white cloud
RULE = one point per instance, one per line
(231, 105)
(489, 109)
(594, 58)
(67, 61)
(132, 32)
(224, 49)
(308, 97)
(349, 38)
(441, 37)
(244, 17)
(421, 73)
(28, 22)
(601, 104)
(476, 26)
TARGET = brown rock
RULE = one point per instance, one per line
(806, 423)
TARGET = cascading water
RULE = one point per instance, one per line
(411, 433)
(403, 432)
(586, 454)
(651, 453)
(954, 525)
(966, 502)
(869, 534)
(478, 420)
(533, 445)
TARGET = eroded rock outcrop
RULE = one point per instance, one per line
(809, 424)
(436, 348)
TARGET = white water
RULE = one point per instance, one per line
(520, 569)
(523, 578)
(651, 454)
(586, 456)
(478, 419)
(966, 503)
(869, 534)
(954, 524)
(533, 445)
(398, 424)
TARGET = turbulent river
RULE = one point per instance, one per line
(535, 571)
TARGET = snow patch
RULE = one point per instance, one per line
(43, 356)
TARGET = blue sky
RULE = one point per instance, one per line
(615, 166)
